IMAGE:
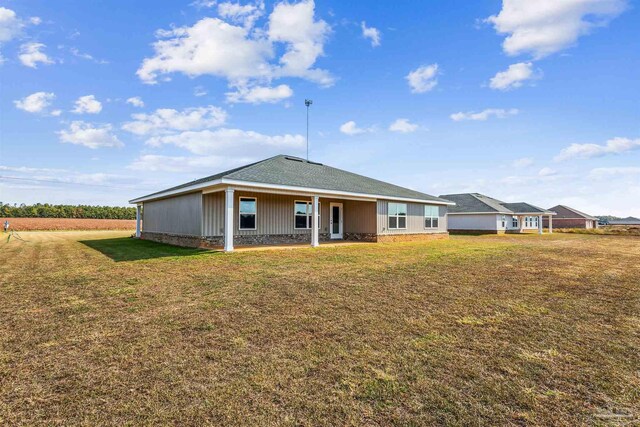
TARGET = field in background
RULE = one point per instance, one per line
(616, 230)
(100, 329)
(52, 224)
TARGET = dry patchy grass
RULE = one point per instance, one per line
(490, 330)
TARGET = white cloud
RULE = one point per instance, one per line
(229, 142)
(483, 115)
(514, 76)
(350, 128)
(31, 54)
(608, 173)
(90, 135)
(613, 146)
(56, 113)
(260, 94)
(403, 126)
(35, 20)
(167, 120)
(522, 162)
(543, 27)
(243, 54)
(246, 14)
(423, 79)
(371, 33)
(83, 55)
(10, 25)
(191, 164)
(136, 101)
(546, 171)
(204, 4)
(87, 104)
(199, 91)
(36, 102)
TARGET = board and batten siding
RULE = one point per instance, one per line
(415, 219)
(275, 214)
(179, 215)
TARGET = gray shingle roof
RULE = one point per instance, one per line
(297, 172)
(563, 211)
(625, 221)
(476, 202)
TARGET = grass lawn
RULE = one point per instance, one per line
(100, 329)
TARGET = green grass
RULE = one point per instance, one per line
(100, 329)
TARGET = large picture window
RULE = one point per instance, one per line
(397, 216)
(514, 222)
(430, 217)
(303, 215)
(248, 213)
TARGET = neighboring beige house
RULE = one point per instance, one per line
(286, 199)
(477, 213)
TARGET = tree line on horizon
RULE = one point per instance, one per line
(46, 210)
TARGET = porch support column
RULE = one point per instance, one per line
(550, 224)
(540, 224)
(315, 237)
(520, 224)
(228, 220)
(138, 219)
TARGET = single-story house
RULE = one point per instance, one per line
(477, 213)
(625, 221)
(567, 217)
(286, 199)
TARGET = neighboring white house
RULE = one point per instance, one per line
(477, 213)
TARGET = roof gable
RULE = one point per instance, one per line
(479, 203)
(563, 211)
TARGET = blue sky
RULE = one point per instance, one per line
(524, 101)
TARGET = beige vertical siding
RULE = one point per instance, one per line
(175, 215)
(275, 214)
(415, 219)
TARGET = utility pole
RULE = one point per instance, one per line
(307, 103)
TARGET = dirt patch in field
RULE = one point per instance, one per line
(44, 224)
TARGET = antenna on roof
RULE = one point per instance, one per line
(307, 103)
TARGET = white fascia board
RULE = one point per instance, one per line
(479, 213)
(329, 192)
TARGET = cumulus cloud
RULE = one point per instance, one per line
(423, 79)
(544, 27)
(232, 142)
(483, 115)
(546, 171)
(31, 54)
(403, 126)
(136, 101)
(90, 135)
(87, 104)
(371, 33)
(514, 76)
(260, 94)
(246, 14)
(167, 120)
(350, 128)
(241, 53)
(10, 25)
(616, 145)
(36, 102)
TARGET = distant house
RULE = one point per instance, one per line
(477, 213)
(567, 217)
(625, 221)
(287, 199)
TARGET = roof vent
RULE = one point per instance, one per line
(295, 159)
(314, 163)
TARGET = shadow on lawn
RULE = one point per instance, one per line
(128, 249)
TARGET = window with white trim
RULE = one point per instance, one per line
(504, 221)
(397, 216)
(248, 213)
(431, 217)
(514, 221)
(304, 215)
